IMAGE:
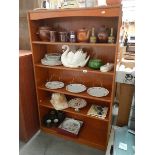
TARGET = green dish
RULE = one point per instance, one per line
(95, 63)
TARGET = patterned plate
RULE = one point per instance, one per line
(77, 103)
(97, 91)
(76, 88)
(54, 84)
(71, 125)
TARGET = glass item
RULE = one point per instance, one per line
(53, 36)
(70, 4)
(72, 37)
(63, 37)
(93, 37)
(102, 3)
(45, 4)
(83, 35)
(111, 38)
(91, 3)
(77, 103)
(44, 33)
(103, 35)
(82, 3)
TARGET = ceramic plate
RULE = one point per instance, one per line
(77, 103)
(97, 91)
(75, 88)
(54, 84)
(71, 125)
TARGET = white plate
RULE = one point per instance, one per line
(77, 103)
(97, 91)
(54, 84)
(75, 88)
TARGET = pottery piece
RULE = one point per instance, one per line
(107, 67)
(76, 88)
(97, 91)
(103, 35)
(83, 35)
(44, 33)
(95, 63)
(53, 56)
(73, 60)
(54, 85)
(59, 101)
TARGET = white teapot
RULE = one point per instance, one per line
(73, 60)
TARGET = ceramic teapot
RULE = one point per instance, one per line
(44, 33)
(83, 35)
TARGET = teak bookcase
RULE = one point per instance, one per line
(95, 132)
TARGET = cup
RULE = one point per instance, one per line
(63, 37)
(53, 36)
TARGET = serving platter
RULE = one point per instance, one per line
(76, 88)
(77, 103)
(97, 91)
(54, 85)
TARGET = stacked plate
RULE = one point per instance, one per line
(51, 59)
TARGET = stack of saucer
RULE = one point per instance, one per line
(51, 59)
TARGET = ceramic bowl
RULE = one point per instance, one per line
(95, 63)
(53, 56)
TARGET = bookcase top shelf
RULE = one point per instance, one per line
(106, 11)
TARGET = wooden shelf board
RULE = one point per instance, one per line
(82, 112)
(82, 94)
(83, 69)
(78, 139)
(79, 44)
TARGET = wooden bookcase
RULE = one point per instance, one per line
(95, 132)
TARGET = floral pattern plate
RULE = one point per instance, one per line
(97, 91)
(71, 125)
(54, 85)
(76, 88)
(77, 103)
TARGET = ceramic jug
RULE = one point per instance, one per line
(103, 34)
(83, 35)
(44, 33)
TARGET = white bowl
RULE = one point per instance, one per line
(53, 56)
